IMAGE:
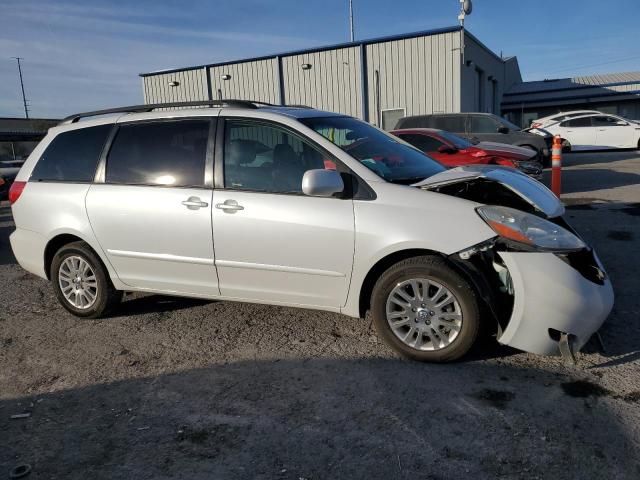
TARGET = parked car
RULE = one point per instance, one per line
(8, 171)
(559, 117)
(304, 208)
(454, 151)
(482, 127)
(597, 132)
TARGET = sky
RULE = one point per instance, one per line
(82, 55)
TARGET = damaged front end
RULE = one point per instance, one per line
(544, 286)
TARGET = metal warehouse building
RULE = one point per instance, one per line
(617, 93)
(379, 80)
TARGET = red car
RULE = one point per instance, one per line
(454, 151)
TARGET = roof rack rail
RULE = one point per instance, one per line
(153, 106)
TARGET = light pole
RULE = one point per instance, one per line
(351, 20)
(465, 9)
(24, 99)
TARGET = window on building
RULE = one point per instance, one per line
(266, 158)
(423, 143)
(577, 122)
(160, 153)
(72, 156)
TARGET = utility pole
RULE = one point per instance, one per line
(24, 99)
(351, 20)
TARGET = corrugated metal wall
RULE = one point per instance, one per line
(420, 75)
(257, 80)
(332, 83)
(481, 78)
(192, 86)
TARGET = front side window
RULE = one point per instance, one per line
(422, 142)
(266, 158)
(72, 156)
(382, 153)
(482, 124)
(159, 153)
(606, 121)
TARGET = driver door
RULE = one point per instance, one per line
(273, 243)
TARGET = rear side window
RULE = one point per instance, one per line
(160, 153)
(72, 156)
(450, 123)
(577, 122)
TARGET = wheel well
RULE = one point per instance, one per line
(379, 268)
(55, 244)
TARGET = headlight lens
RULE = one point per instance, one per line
(528, 229)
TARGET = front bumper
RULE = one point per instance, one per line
(551, 297)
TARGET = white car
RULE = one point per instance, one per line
(597, 132)
(304, 208)
(558, 117)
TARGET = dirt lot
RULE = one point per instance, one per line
(175, 388)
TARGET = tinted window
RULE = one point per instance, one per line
(605, 121)
(450, 123)
(577, 122)
(482, 124)
(72, 156)
(380, 152)
(422, 142)
(162, 153)
(266, 158)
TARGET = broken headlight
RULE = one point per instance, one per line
(530, 230)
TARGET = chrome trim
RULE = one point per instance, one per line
(161, 256)
(277, 268)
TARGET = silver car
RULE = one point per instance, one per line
(293, 206)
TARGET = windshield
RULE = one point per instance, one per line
(509, 125)
(386, 155)
(459, 142)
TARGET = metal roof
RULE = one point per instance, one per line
(573, 83)
(423, 33)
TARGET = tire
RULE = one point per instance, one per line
(430, 272)
(97, 295)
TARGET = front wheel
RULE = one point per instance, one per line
(425, 310)
(81, 282)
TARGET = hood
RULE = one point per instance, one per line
(495, 148)
(527, 189)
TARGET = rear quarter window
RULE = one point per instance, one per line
(72, 156)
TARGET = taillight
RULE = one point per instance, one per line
(535, 125)
(502, 161)
(15, 191)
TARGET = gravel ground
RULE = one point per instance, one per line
(177, 388)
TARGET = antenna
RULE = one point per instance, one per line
(24, 99)
(351, 20)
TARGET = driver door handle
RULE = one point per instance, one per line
(229, 206)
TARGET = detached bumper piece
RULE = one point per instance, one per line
(559, 301)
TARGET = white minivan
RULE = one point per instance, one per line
(293, 206)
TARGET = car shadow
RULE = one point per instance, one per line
(309, 418)
(142, 304)
(592, 179)
(6, 254)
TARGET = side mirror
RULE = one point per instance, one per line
(322, 183)
(503, 129)
(446, 149)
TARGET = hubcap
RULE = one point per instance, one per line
(424, 314)
(78, 282)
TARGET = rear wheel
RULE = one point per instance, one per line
(81, 282)
(425, 310)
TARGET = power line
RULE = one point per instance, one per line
(24, 99)
(578, 67)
